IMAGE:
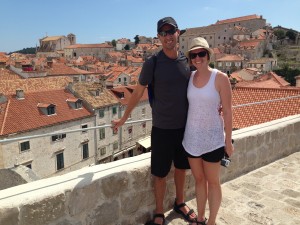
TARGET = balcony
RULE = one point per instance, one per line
(261, 186)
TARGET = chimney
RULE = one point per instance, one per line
(297, 81)
(3, 99)
(49, 62)
(20, 94)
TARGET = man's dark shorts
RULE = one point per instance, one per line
(166, 147)
(213, 156)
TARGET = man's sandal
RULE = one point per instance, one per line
(185, 216)
(199, 222)
(151, 222)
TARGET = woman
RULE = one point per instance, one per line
(204, 140)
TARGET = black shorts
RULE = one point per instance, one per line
(166, 147)
(213, 156)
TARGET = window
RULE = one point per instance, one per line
(219, 64)
(144, 127)
(119, 80)
(114, 110)
(78, 104)
(115, 145)
(58, 137)
(97, 93)
(103, 151)
(143, 111)
(101, 113)
(83, 127)
(228, 63)
(125, 79)
(60, 161)
(102, 133)
(130, 130)
(50, 110)
(85, 150)
(24, 146)
(130, 153)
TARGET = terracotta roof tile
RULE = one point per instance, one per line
(260, 113)
(86, 91)
(24, 115)
(237, 19)
(34, 84)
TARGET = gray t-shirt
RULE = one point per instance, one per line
(170, 104)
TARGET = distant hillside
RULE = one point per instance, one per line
(31, 50)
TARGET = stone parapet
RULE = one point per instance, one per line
(121, 192)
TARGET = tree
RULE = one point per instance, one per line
(127, 47)
(136, 39)
(291, 35)
(114, 43)
(288, 73)
(280, 34)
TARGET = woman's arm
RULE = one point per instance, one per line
(224, 87)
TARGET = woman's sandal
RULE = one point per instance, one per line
(151, 222)
(185, 216)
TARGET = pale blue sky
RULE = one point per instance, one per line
(23, 23)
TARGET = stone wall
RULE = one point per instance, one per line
(121, 192)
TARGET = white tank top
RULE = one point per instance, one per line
(204, 131)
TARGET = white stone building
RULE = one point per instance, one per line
(43, 112)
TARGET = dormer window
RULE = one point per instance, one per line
(51, 110)
(121, 94)
(78, 104)
(75, 103)
(47, 109)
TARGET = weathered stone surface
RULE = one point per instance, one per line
(291, 193)
(141, 178)
(43, 212)
(67, 222)
(112, 186)
(107, 213)
(84, 199)
(132, 203)
(9, 216)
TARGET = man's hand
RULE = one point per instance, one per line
(115, 124)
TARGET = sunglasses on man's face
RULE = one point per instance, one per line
(200, 54)
(166, 32)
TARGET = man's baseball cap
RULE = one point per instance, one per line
(166, 20)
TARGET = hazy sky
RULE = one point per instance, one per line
(23, 23)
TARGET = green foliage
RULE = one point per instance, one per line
(211, 65)
(136, 39)
(127, 47)
(291, 35)
(114, 43)
(26, 51)
(288, 73)
(280, 34)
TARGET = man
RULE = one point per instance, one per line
(168, 73)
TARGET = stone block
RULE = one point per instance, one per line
(9, 216)
(85, 198)
(104, 214)
(141, 178)
(113, 185)
(131, 204)
(38, 213)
